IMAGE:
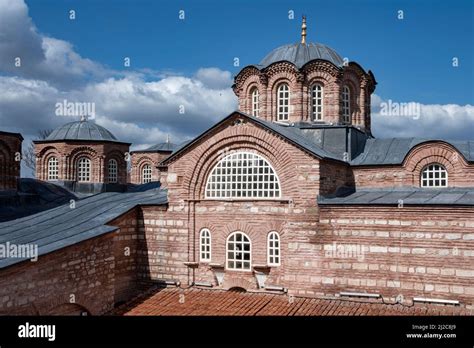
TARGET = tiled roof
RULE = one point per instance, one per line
(63, 226)
(205, 302)
(392, 151)
(292, 134)
(300, 54)
(409, 196)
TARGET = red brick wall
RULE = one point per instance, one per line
(140, 159)
(300, 83)
(82, 271)
(68, 153)
(413, 251)
(460, 172)
(10, 157)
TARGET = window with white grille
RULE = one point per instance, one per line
(239, 251)
(84, 169)
(205, 245)
(146, 174)
(112, 171)
(346, 104)
(273, 247)
(434, 175)
(283, 102)
(242, 175)
(317, 102)
(53, 168)
(255, 102)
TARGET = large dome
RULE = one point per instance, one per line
(81, 130)
(299, 54)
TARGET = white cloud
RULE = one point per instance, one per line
(449, 121)
(214, 78)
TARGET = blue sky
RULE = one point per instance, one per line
(411, 58)
(176, 63)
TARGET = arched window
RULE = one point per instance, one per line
(283, 102)
(273, 249)
(255, 102)
(146, 174)
(84, 169)
(317, 102)
(242, 175)
(112, 170)
(434, 175)
(53, 169)
(205, 245)
(239, 251)
(346, 104)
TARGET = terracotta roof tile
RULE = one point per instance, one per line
(206, 302)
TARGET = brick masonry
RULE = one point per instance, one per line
(69, 152)
(10, 158)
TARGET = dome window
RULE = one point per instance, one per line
(346, 105)
(283, 102)
(317, 102)
(255, 102)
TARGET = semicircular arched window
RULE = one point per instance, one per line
(317, 102)
(146, 174)
(255, 102)
(346, 105)
(434, 175)
(283, 102)
(53, 169)
(84, 169)
(239, 251)
(243, 175)
(112, 170)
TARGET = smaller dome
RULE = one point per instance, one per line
(167, 147)
(81, 130)
(299, 54)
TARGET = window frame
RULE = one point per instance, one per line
(283, 102)
(112, 176)
(317, 101)
(346, 109)
(437, 175)
(255, 102)
(235, 259)
(208, 243)
(244, 186)
(149, 176)
(80, 169)
(56, 169)
(271, 249)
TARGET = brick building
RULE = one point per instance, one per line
(145, 162)
(82, 156)
(291, 195)
(10, 156)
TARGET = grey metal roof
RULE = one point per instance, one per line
(81, 130)
(392, 151)
(62, 226)
(300, 54)
(165, 147)
(293, 134)
(409, 196)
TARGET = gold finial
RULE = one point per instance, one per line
(303, 31)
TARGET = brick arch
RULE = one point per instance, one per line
(233, 281)
(354, 89)
(63, 299)
(208, 159)
(245, 100)
(6, 168)
(48, 153)
(121, 165)
(435, 152)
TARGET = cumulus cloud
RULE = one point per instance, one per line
(435, 121)
(25, 52)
